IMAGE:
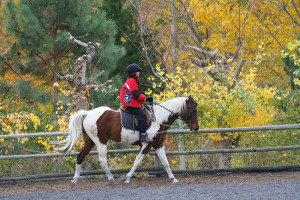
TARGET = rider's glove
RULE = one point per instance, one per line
(149, 99)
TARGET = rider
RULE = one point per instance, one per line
(131, 99)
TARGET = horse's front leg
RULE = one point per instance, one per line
(161, 153)
(102, 151)
(139, 158)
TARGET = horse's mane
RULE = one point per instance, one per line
(175, 105)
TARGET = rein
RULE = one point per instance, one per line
(170, 111)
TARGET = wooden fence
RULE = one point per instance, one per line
(157, 169)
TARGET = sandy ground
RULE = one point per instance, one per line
(61, 184)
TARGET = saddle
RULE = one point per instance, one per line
(129, 121)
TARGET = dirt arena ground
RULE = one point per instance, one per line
(61, 184)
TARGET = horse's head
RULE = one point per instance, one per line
(190, 114)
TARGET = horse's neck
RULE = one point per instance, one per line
(168, 108)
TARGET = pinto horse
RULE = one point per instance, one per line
(99, 125)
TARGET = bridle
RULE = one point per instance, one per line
(189, 120)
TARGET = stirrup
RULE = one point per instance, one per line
(145, 138)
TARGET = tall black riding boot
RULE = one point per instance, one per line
(144, 138)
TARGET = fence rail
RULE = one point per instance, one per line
(212, 130)
(126, 151)
(216, 130)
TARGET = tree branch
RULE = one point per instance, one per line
(190, 24)
(211, 55)
(97, 76)
(92, 87)
(142, 36)
(289, 14)
(296, 8)
(11, 68)
(237, 74)
(201, 63)
(283, 7)
(77, 41)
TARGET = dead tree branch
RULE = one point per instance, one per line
(142, 28)
(282, 6)
(237, 73)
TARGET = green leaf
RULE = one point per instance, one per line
(160, 21)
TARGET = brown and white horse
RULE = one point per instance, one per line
(103, 123)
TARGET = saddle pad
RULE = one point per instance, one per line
(129, 122)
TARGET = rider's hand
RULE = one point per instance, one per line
(149, 99)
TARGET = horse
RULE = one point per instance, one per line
(101, 124)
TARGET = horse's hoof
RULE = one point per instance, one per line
(112, 183)
(127, 181)
(174, 180)
(111, 180)
(73, 183)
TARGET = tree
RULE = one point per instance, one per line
(244, 37)
(291, 58)
(41, 56)
(257, 29)
(41, 30)
(127, 34)
(291, 8)
(158, 31)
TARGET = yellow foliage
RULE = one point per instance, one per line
(123, 39)
(49, 127)
(297, 81)
(263, 27)
(63, 123)
(17, 123)
(245, 105)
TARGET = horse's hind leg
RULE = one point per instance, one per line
(88, 145)
(161, 153)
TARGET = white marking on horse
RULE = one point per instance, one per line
(139, 158)
(129, 136)
(161, 153)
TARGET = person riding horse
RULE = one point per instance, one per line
(131, 98)
(99, 125)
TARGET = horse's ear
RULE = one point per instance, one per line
(191, 99)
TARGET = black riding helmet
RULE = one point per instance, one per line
(132, 68)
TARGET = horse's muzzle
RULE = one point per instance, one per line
(194, 129)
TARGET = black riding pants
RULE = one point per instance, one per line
(141, 117)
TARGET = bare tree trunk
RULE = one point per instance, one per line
(204, 158)
(55, 79)
(225, 158)
(174, 39)
(81, 83)
(82, 100)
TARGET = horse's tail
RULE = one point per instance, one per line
(75, 129)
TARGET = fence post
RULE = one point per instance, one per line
(181, 148)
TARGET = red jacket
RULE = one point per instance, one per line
(130, 94)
